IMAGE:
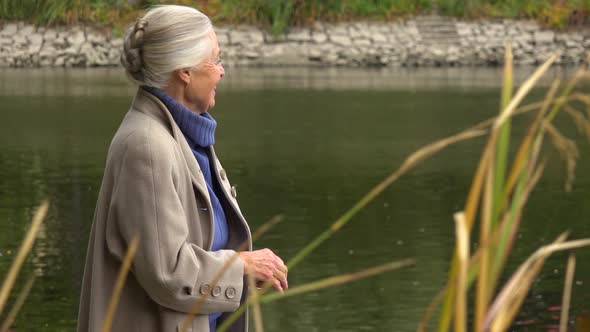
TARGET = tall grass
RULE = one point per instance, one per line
(496, 200)
(279, 15)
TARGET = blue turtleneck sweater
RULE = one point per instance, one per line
(199, 131)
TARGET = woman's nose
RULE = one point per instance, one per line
(222, 73)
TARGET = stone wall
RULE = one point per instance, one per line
(422, 41)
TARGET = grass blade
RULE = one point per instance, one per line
(23, 251)
(20, 300)
(533, 134)
(483, 277)
(256, 312)
(524, 89)
(504, 137)
(567, 292)
(463, 259)
(336, 280)
(509, 300)
(476, 186)
(119, 283)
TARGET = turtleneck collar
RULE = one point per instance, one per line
(199, 129)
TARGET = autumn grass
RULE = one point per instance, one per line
(22, 253)
(496, 200)
(279, 15)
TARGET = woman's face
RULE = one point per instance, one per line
(201, 89)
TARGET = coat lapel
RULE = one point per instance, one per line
(146, 102)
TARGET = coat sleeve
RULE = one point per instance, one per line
(173, 272)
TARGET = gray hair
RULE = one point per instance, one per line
(165, 39)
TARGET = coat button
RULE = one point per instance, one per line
(222, 174)
(234, 193)
(230, 292)
(216, 291)
(205, 288)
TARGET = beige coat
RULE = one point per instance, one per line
(153, 187)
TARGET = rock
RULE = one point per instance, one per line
(315, 55)
(70, 51)
(356, 33)
(19, 40)
(221, 37)
(47, 52)
(337, 29)
(36, 41)
(341, 40)
(59, 61)
(114, 56)
(76, 39)
(45, 62)
(27, 30)
(317, 27)
(59, 42)
(50, 35)
(299, 35)
(251, 55)
(9, 29)
(246, 37)
(361, 42)
(319, 37)
(256, 36)
(379, 38)
(544, 37)
(117, 43)
(95, 38)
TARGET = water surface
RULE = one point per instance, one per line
(304, 143)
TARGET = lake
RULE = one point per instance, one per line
(305, 143)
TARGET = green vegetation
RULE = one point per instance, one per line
(278, 15)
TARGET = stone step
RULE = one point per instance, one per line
(430, 23)
(441, 40)
(439, 35)
(439, 32)
(434, 19)
(437, 27)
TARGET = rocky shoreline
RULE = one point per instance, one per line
(420, 41)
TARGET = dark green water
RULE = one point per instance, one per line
(306, 144)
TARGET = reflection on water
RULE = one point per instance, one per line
(110, 82)
(306, 143)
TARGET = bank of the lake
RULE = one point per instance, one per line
(420, 41)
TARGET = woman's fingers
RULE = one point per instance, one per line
(264, 265)
(282, 279)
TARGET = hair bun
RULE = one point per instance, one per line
(132, 55)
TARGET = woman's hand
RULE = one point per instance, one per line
(264, 265)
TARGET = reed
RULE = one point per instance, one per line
(119, 283)
(20, 300)
(497, 199)
(23, 251)
(337, 280)
(567, 292)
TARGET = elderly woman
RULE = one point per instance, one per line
(164, 184)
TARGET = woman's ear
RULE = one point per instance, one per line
(184, 75)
